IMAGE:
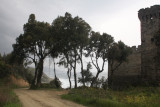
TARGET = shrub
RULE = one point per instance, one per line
(56, 83)
(4, 70)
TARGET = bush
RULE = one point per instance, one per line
(56, 83)
(4, 70)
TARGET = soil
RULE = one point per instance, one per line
(43, 98)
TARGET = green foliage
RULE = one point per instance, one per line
(5, 70)
(20, 71)
(56, 83)
(117, 54)
(99, 44)
(69, 31)
(9, 67)
(133, 97)
(35, 40)
(0, 57)
(35, 44)
(88, 76)
(98, 48)
(93, 102)
(72, 35)
(100, 83)
(7, 97)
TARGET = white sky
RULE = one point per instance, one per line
(118, 18)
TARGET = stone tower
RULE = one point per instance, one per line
(141, 68)
(150, 24)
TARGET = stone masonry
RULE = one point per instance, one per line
(141, 66)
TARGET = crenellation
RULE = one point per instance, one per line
(149, 14)
(133, 48)
(139, 48)
(136, 49)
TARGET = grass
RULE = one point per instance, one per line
(133, 97)
(7, 97)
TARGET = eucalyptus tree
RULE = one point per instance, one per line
(72, 34)
(98, 49)
(67, 63)
(88, 76)
(118, 53)
(83, 30)
(34, 44)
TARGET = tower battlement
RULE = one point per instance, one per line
(136, 49)
(151, 13)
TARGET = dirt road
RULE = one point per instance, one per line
(43, 98)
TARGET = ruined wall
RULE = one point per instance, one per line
(141, 67)
(150, 24)
(129, 72)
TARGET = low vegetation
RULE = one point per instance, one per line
(54, 84)
(132, 97)
(12, 75)
(7, 97)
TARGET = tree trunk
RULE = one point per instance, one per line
(75, 75)
(110, 79)
(55, 71)
(40, 72)
(95, 79)
(69, 77)
(35, 77)
(82, 70)
(34, 81)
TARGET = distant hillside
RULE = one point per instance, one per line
(44, 79)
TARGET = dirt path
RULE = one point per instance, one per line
(43, 98)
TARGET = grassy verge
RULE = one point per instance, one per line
(7, 97)
(133, 97)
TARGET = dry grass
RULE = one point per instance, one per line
(7, 97)
(18, 81)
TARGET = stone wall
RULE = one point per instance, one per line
(141, 66)
(150, 24)
(128, 73)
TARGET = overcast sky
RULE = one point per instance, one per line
(118, 18)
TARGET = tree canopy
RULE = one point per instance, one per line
(34, 44)
(98, 48)
(71, 39)
(117, 54)
(72, 34)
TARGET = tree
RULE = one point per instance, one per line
(71, 34)
(5, 69)
(87, 75)
(98, 49)
(67, 64)
(34, 44)
(84, 31)
(118, 53)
